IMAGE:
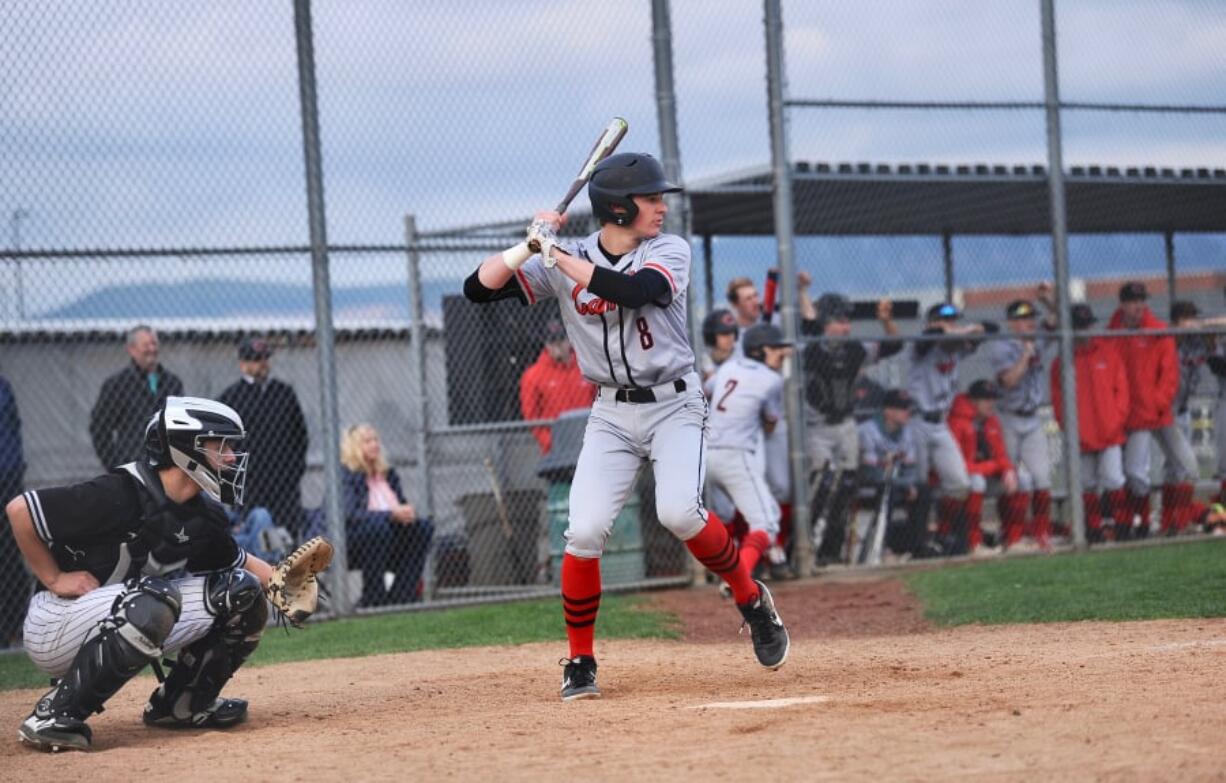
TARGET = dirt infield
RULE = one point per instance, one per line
(869, 692)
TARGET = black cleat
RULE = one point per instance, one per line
(53, 734)
(221, 714)
(770, 638)
(579, 678)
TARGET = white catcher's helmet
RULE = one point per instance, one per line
(176, 434)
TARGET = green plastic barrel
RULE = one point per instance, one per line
(623, 560)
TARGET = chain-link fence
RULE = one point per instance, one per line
(153, 169)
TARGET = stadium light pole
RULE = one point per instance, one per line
(1059, 243)
(781, 177)
(324, 337)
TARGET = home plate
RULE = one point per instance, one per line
(764, 704)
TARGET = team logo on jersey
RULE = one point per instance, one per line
(182, 536)
(945, 368)
(77, 554)
(587, 303)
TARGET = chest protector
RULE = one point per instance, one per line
(830, 378)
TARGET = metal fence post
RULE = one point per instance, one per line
(781, 169)
(1059, 238)
(323, 299)
(417, 356)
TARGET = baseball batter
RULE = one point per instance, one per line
(102, 550)
(1018, 364)
(623, 293)
(747, 395)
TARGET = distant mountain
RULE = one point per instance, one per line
(235, 299)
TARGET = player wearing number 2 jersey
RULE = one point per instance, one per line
(622, 295)
(747, 392)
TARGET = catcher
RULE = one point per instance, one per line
(105, 551)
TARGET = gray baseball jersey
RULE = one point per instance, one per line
(1193, 353)
(745, 392)
(932, 378)
(876, 446)
(615, 346)
(1027, 395)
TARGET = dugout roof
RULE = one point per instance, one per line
(914, 199)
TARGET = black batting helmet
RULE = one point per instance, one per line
(619, 177)
(758, 338)
(717, 322)
(832, 306)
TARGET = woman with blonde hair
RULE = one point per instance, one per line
(384, 531)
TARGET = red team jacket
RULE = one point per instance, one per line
(548, 388)
(966, 432)
(1152, 364)
(1102, 394)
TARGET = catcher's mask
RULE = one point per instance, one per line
(205, 440)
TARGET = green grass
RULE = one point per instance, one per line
(1147, 583)
(621, 617)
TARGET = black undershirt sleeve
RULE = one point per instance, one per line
(475, 290)
(645, 287)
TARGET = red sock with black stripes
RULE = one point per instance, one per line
(580, 602)
(753, 547)
(715, 550)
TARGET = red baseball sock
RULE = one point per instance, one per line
(752, 549)
(715, 550)
(1041, 511)
(1094, 514)
(1013, 516)
(974, 519)
(785, 525)
(1189, 510)
(581, 601)
(1120, 503)
(1170, 506)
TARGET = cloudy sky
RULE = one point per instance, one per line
(175, 122)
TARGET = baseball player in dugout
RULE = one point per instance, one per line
(1102, 410)
(102, 551)
(1018, 364)
(622, 291)
(1152, 364)
(748, 403)
(974, 423)
(833, 443)
(932, 381)
(720, 337)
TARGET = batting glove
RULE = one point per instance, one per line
(542, 238)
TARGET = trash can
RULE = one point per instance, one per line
(623, 560)
(502, 552)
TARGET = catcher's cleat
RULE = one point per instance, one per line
(221, 714)
(53, 734)
(770, 638)
(579, 678)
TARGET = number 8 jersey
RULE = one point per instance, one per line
(616, 346)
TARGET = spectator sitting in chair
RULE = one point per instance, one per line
(384, 532)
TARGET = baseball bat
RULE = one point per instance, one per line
(770, 293)
(609, 138)
(499, 503)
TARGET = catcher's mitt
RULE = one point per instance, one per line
(292, 589)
